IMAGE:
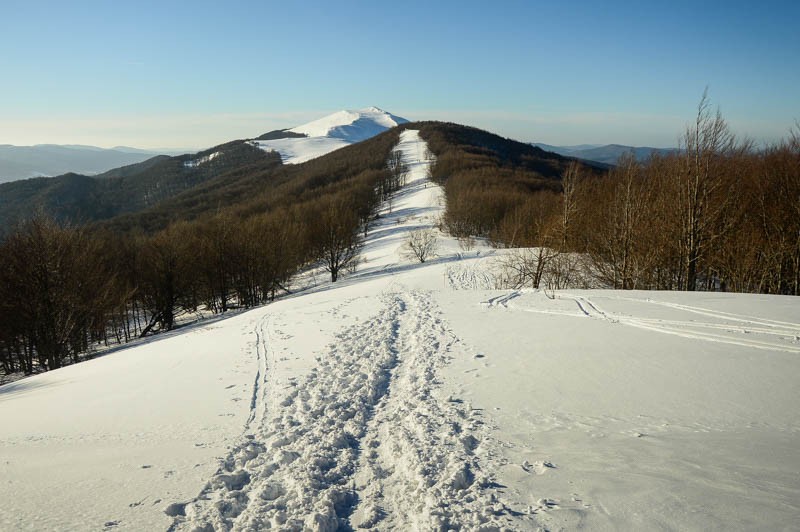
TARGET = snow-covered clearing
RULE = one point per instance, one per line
(415, 397)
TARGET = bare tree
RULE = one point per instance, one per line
(526, 267)
(335, 231)
(702, 199)
(569, 210)
(619, 242)
(421, 244)
(55, 289)
(167, 285)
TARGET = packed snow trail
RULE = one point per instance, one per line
(364, 441)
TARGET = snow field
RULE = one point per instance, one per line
(420, 397)
(114, 439)
(361, 439)
(645, 427)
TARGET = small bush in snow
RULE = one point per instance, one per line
(421, 245)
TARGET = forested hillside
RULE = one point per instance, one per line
(77, 198)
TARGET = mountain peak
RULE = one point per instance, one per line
(328, 133)
(351, 125)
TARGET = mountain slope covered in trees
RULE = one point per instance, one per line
(77, 198)
(220, 170)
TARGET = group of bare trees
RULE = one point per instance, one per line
(66, 288)
(236, 241)
(717, 214)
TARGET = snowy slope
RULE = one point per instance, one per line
(331, 133)
(416, 397)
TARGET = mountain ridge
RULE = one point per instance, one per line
(607, 154)
(45, 160)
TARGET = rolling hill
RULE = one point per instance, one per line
(79, 198)
(252, 174)
(134, 188)
(605, 154)
(22, 162)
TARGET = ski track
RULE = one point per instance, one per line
(471, 275)
(362, 442)
(763, 333)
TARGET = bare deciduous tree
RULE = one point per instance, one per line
(335, 232)
(569, 206)
(701, 196)
(421, 244)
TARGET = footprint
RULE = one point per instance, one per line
(539, 467)
(176, 509)
(470, 443)
(233, 481)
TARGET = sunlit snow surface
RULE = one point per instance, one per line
(331, 133)
(418, 397)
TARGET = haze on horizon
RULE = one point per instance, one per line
(195, 74)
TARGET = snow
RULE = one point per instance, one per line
(300, 150)
(331, 133)
(419, 397)
(352, 126)
(194, 163)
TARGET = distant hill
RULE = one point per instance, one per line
(22, 162)
(255, 175)
(314, 139)
(79, 198)
(216, 177)
(608, 154)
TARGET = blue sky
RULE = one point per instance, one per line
(193, 74)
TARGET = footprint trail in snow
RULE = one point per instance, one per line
(362, 442)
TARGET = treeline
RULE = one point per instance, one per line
(721, 215)
(67, 288)
(717, 215)
(488, 180)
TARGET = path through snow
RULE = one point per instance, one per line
(365, 438)
(363, 441)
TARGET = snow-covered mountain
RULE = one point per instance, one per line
(414, 396)
(322, 136)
